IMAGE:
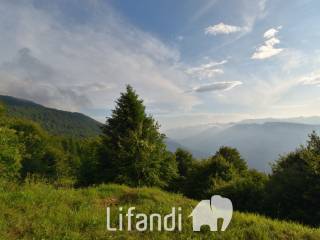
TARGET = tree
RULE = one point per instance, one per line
(184, 160)
(233, 156)
(294, 186)
(247, 192)
(215, 173)
(42, 154)
(11, 152)
(89, 153)
(134, 151)
(34, 139)
(211, 173)
(2, 110)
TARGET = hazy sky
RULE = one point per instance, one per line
(192, 62)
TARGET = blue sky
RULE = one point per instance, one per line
(193, 62)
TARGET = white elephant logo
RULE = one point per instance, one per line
(207, 212)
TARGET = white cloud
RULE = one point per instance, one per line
(268, 49)
(222, 28)
(271, 32)
(207, 70)
(311, 79)
(89, 62)
(217, 86)
(249, 13)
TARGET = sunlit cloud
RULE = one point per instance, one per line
(311, 79)
(268, 49)
(207, 70)
(222, 28)
(271, 32)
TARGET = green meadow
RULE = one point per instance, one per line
(36, 210)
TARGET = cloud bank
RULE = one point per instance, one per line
(47, 59)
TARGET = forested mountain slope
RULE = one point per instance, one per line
(55, 121)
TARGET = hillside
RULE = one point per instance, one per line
(259, 143)
(55, 121)
(40, 211)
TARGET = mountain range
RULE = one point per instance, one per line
(260, 141)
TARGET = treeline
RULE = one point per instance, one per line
(132, 151)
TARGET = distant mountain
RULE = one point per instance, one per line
(173, 145)
(259, 143)
(55, 121)
(189, 131)
(313, 120)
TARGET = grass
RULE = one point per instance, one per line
(41, 211)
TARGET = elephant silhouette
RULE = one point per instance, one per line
(207, 212)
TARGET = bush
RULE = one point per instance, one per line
(247, 192)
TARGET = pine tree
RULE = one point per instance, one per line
(134, 152)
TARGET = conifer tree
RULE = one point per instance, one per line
(134, 149)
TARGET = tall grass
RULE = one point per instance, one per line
(42, 211)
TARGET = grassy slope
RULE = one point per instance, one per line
(39, 211)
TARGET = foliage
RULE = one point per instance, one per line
(246, 192)
(2, 109)
(11, 152)
(134, 150)
(89, 153)
(294, 187)
(207, 176)
(34, 151)
(34, 139)
(184, 160)
(233, 156)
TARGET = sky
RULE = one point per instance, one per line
(193, 62)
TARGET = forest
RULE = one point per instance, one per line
(131, 151)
